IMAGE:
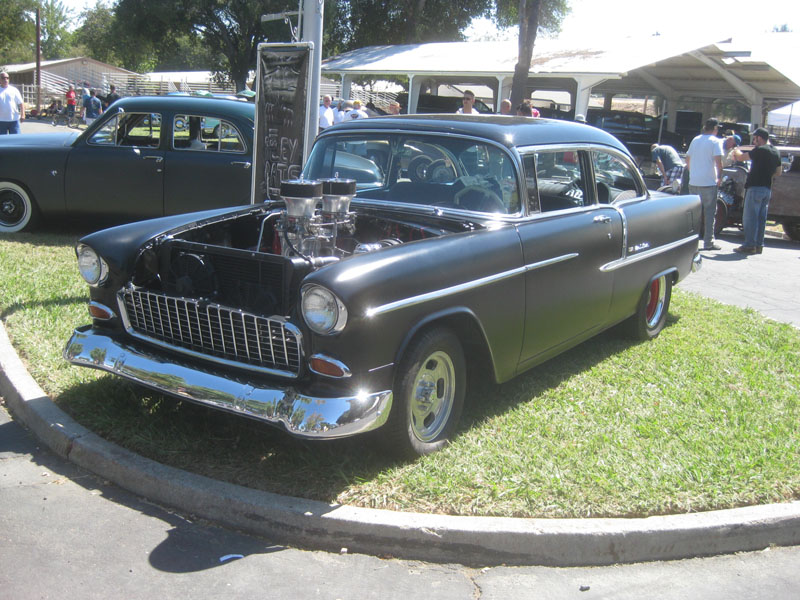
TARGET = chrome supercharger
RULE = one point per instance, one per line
(317, 215)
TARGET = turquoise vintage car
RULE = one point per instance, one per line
(148, 156)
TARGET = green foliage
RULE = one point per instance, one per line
(551, 14)
(56, 40)
(17, 31)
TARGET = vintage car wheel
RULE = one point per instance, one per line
(651, 313)
(17, 210)
(792, 230)
(429, 394)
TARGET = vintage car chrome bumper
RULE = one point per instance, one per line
(301, 414)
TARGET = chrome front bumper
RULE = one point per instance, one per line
(300, 414)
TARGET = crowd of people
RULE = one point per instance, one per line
(707, 156)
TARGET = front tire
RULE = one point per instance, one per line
(428, 395)
(17, 209)
(651, 313)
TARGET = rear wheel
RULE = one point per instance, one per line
(428, 395)
(651, 313)
(17, 210)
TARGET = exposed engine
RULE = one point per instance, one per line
(318, 236)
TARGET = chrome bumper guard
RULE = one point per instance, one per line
(300, 414)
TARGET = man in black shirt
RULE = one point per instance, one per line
(765, 164)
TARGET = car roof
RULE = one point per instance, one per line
(199, 104)
(507, 131)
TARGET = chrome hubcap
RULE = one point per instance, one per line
(434, 391)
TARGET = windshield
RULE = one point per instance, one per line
(439, 171)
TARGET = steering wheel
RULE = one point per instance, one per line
(480, 199)
(439, 171)
(418, 168)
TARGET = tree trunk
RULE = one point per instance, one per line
(528, 27)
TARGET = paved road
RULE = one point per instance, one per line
(65, 534)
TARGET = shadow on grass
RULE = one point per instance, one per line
(246, 452)
(12, 308)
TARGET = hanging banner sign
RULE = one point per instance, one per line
(283, 80)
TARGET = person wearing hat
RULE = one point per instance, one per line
(728, 145)
(765, 163)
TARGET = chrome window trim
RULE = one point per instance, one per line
(640, 256)
(227, 120)
(466, 286)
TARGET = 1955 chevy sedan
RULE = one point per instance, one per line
(412, 249)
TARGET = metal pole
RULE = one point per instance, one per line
(311, 18)
(38, 60)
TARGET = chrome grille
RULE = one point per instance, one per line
(213, 330)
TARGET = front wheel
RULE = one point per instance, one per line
(651, 313)
(17, 210)
(428, 395)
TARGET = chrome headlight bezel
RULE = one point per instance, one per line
(323, 311)
(91, 265)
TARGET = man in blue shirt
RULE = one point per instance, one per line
(92, 107)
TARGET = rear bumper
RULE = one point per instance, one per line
(301, 414)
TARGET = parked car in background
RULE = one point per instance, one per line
(636, 130)
(413, 251)
(148, 156)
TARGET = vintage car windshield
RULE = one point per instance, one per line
(448, 172)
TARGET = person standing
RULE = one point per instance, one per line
(357, 112)
(765, 163)
(112, 97)
(72, 102)
(92, 107)
(704, 161)
(12, 108)
(467, 101)
(669, 163)
(505, 106)
(326, 115)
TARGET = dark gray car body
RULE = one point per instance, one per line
(518, 287)
(66, 174)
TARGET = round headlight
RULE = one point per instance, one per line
(323, 312)
(93, 268)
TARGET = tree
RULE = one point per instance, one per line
(55, 37)
(531, 15)
(230, 29)
(17, 31)
(360, 23)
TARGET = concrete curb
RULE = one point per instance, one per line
(437, 538)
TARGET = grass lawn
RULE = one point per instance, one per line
(704, 417)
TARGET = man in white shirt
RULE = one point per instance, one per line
(12, 108)
(326, 117)
(468, 100)
(704, 161)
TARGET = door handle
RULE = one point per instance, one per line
(158, 159)
(241, 163)
(602, 219)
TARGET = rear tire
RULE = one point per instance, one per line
(428, 395)
(651, 313)
(17, 209)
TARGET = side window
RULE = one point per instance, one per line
(204, 133)
(130, 129)
(556, 180)
(616, 178)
